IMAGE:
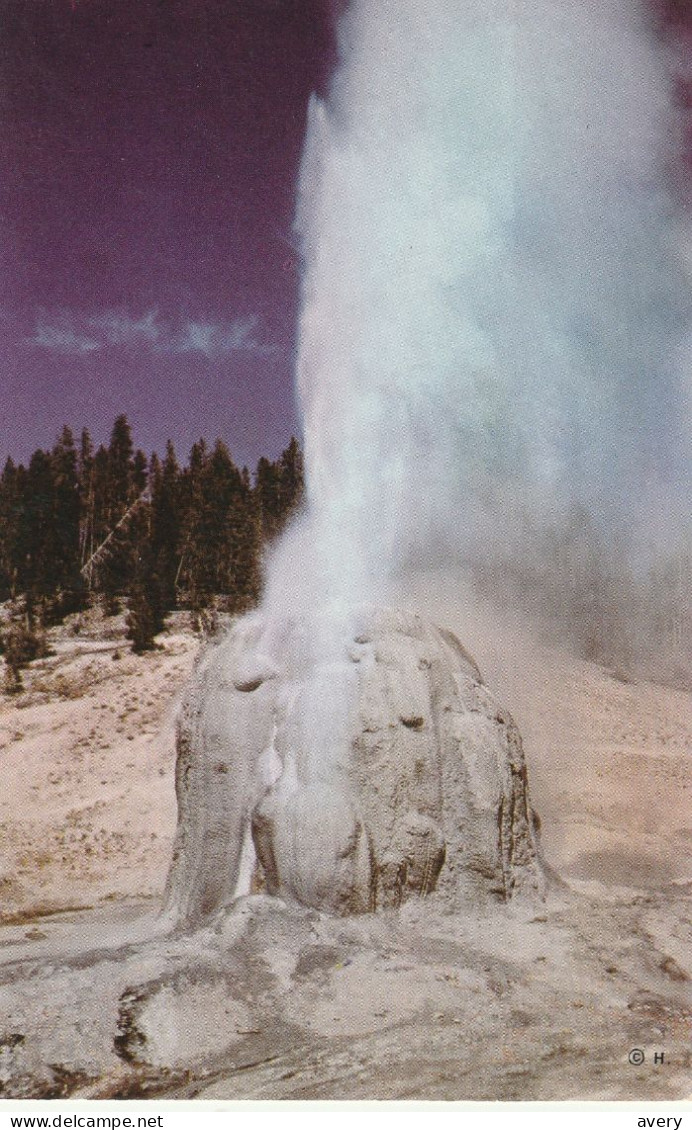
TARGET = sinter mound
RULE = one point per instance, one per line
(349, 763)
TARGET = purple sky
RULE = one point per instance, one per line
(148, 160)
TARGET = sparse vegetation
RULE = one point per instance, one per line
(20, 644)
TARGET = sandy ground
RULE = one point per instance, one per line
(535, 1003)
(609, 760)
(87, 809)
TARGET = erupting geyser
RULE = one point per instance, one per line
(489, 312)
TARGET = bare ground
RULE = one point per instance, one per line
(87, 813)
(528, 1002)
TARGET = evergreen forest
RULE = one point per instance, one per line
(80, 524)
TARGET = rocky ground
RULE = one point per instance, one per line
(530, 1001)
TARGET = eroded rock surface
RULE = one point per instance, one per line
(354, 761)
(271, 1001)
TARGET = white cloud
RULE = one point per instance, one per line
(61, 337)
(117, 328)
(216, 339)
(80, 334)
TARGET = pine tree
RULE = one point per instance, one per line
(242, 548)
(268, 498)
(12, 527)
(191, 495)
(125, 475)
(220, 488)
(291, 480)
(139, 474)
(38, 575)
(121, 489)
(144, 619)
(87, 499)
(166, 522)
(101, 489)
(64, 535)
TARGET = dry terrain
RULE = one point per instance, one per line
(270, 1001)
(87, 811)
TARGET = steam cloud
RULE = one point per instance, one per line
(493, 307)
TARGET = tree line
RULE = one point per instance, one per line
(80, 523)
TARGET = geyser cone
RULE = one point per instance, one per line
(379, 772)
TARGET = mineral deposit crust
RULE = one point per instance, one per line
(348, 762)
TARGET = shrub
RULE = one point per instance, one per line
(20, 645)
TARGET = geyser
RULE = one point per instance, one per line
(490, 312)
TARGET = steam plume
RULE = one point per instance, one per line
(493, 310)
